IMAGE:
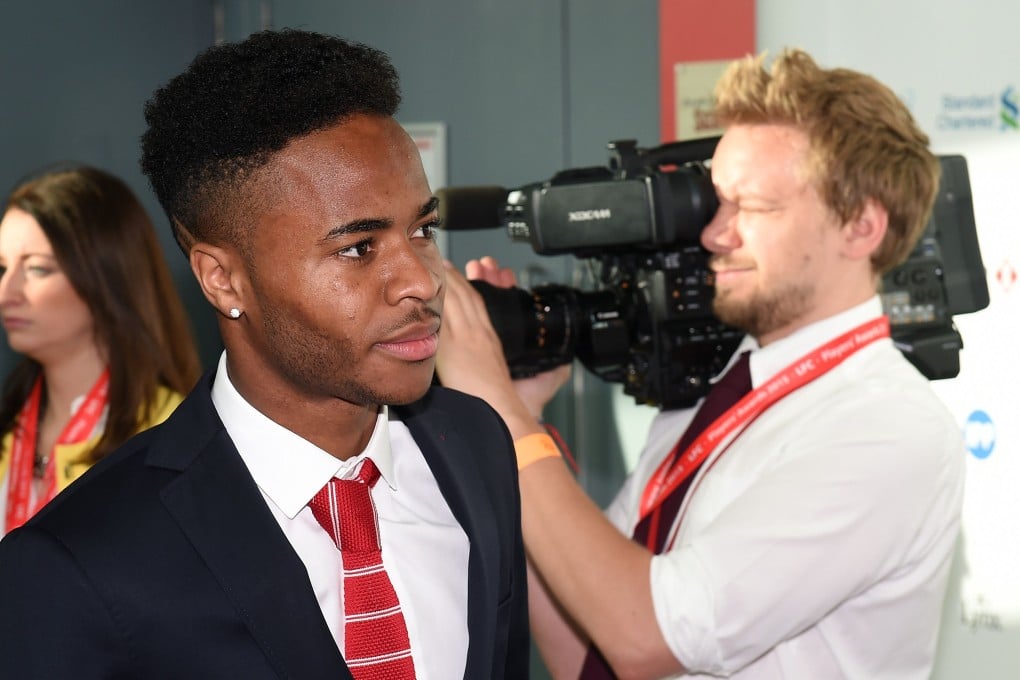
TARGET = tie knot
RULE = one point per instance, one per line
(738, 379)
(368, 473)
(344, 509)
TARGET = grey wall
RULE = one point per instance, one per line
(74, 78)
(526, 87)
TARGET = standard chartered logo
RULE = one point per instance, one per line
(980, 111)
(1008, 112)
(979, 434)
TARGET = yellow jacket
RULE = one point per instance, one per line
(70, 457)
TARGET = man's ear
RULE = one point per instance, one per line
(864, 234)
(221, 274)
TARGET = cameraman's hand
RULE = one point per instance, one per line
(487, 269)
(538, 390)
(471, 358)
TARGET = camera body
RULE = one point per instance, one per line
(943, 276)
(632, 205)
(648, 323)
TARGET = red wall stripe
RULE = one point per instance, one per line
(699, 30)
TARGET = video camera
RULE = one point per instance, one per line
(648, 324)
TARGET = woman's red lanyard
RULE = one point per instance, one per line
(19, 494)
(676, 468)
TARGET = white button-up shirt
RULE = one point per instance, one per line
(818, 545)
(424, 548)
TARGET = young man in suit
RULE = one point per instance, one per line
(208, 547)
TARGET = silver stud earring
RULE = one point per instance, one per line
(235, 313)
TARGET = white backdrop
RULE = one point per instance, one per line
(955, 65)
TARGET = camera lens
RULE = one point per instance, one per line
(552, 324)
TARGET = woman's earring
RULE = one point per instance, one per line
(235, 313)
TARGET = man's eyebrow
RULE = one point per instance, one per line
(375, 224)
(358, 227)
(430, 206)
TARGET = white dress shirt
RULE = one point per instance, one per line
(818, 545)
(424, 548)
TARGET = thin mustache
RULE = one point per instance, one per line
(721, 262)
(418, 316)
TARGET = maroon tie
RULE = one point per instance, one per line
(724, 394)
(376, 643)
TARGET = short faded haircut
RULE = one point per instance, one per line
(212, 128)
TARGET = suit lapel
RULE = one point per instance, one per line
(460, 480)
(222, 513)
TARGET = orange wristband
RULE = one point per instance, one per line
(535, 447)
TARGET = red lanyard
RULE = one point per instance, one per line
(19, 495)
(676, 468)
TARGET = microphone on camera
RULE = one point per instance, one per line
(479, 207)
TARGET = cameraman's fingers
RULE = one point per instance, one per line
(475, 270)
(497, 275)
(487, 269)
(470, 357)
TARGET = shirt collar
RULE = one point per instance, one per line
(289, 469)
(766, 362)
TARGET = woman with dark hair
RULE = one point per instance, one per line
(87, 298)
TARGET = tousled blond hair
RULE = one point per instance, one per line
(864, 144)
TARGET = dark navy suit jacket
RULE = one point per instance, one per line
(163, 560)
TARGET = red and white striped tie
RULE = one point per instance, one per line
(377, 646)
